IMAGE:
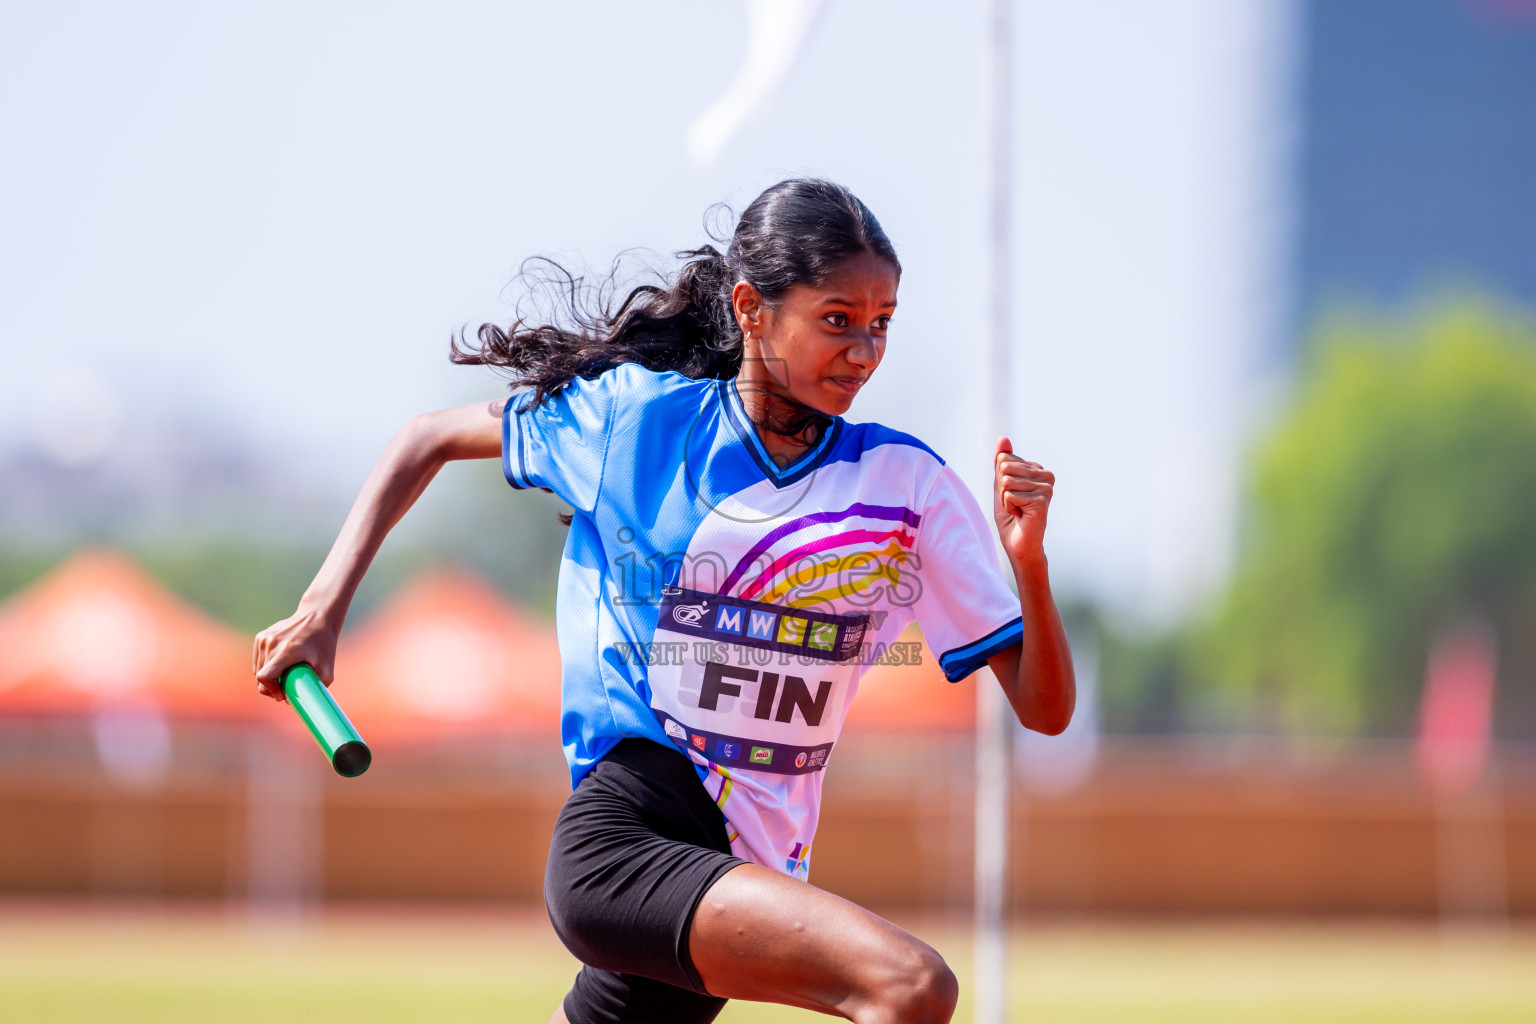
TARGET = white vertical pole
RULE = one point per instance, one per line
(994, 722)
(283, 831)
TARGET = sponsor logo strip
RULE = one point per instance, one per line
(737, 752)
(810, 634)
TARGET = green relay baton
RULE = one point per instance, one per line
(349, 755)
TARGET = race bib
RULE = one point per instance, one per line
(751, 685)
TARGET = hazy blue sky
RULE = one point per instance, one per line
(271, 216)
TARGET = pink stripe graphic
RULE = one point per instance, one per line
(902, 537)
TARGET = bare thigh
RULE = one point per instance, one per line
(761, 935)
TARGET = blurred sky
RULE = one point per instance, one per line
(264, 220)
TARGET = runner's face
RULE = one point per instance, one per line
(821, 343)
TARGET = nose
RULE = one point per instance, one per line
(864, 353)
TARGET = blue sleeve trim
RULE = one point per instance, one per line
(962, 661)
(518, 477)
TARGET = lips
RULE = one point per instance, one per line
(848, 384)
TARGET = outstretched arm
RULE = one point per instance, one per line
(410, 462)
(1037, 673)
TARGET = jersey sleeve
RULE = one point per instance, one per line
(561, 445)
(967, 611)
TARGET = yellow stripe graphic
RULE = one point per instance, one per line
(885, 572)
(726, 785)
(892, 551)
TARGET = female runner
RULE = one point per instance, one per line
(738, 553)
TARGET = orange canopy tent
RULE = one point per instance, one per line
(449, 654)
(97, 630)
(912, 698)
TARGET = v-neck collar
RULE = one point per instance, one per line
(736, 412)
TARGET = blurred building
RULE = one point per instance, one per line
(1417, 151)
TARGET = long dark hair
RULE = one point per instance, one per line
(794, 233)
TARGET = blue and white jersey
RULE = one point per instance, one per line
(714, 601)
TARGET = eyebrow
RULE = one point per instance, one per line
(839, 300)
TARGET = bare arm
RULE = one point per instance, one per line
(1036, 674)
(402, 473)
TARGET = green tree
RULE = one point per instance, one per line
(1396, 494)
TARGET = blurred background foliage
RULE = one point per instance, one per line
(1394, 494)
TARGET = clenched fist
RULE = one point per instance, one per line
(1021, 498)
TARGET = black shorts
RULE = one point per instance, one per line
(635, 849)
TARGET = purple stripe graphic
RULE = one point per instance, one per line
(892, 513)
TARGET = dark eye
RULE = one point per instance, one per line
(837, 319)
(882, 323)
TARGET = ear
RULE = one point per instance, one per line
(747, 302)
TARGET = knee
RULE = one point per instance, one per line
(935, 991)
(924, 990)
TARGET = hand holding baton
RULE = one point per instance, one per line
(326, 722)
